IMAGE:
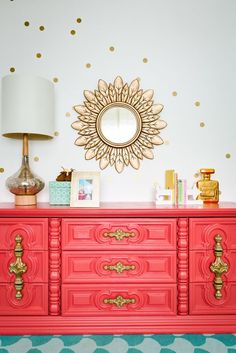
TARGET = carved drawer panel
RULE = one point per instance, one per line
(117, 300)
(36, 262)
(33, 302)
(201, 261)
(97, 266)
(203, 231)
(203, 301)
(107, 234)
(34, 233)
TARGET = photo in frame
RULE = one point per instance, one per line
(85, 189)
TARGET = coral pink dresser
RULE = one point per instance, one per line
(119, 268)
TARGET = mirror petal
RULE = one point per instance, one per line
(104, 161)
(156, 140)
(90, 96)
(134, 161)
(157, 108)
(82, 140)
(118, 83)
(91, 153)
(80, 109)
(147, 153)
(134, 87)
(102, 85)
(147, 95)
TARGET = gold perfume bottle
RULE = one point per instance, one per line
(209, 189)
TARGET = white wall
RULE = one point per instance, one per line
(191, 49)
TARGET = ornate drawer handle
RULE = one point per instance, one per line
(218, 267)
(119, 267)
(119, 301)
(18, 267)
(119, 234)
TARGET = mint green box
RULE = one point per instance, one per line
(59, 192)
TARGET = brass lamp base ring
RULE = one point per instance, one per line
(25, 200)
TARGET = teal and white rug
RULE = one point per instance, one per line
(223, 343)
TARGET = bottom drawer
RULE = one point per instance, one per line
(33, 302)
(203, 301)
(118, 300)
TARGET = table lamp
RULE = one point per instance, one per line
(27, 113)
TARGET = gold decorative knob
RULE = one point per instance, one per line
(119, 234)
(218, 267)
(119, 301)
(119, 267)
(18, 267)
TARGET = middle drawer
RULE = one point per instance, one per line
(126, 266)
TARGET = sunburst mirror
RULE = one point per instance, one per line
(118, 124)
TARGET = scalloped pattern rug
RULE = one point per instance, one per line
(189, 343)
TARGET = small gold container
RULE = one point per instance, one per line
(209, 189)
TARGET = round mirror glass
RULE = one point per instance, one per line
(119, 125)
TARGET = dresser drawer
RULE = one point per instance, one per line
(202, 299)
(202, 233)
(33, 302)
(125, 266)
(107, 234)
(201, 260)
(34, 233)
(118, 300)
(36, 262)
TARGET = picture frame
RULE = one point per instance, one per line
(85, 189)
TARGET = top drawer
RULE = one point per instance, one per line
(202, 233)
(106, 234)
(34, 233)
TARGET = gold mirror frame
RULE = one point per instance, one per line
(118, 94)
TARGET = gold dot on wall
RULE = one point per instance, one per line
(112, 49)
(41, 28)
(56, 133)
(67, 114)
(38, 55)
(36, 159)
(88, 65)
(55, 79)
(1, 170)
(26, 23)
(12, 69)
(145, 60)
(174, 93)
(202, 124)
(228, 155)
(197, 103)
(73, 32)
(78, 20)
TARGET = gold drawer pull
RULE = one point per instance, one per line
(119, 234)
(18, 267)
(119, 267)
(218, 267)
(119, 301)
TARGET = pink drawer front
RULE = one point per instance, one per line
(33, 302)
(36, 262)
(202, 299)
(203, 231)
(107, 234)
(201, 260)
(97, 266)
(118, 300)
(34, 233)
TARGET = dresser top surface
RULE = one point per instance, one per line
(120, 209)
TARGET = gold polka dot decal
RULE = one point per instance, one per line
(88, 65)
(202, 124)
(228, 155)
(2, 170)
(174, 93)
(12, 69)
(55, 79)
(112, 49)
(197, 104)
(68, 114)
(41, 28)
(56, 133)
(145, 60)
(26, 23)
(36, 159)
(78, 20)
(38, 55)
(73, 32)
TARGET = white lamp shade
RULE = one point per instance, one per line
(27, 107)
